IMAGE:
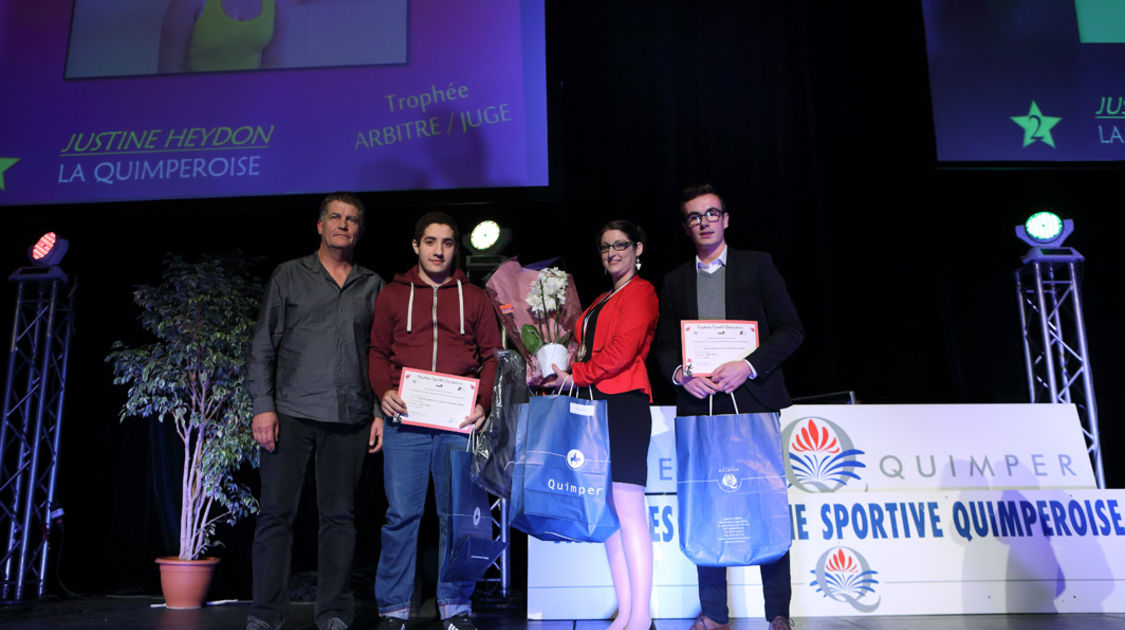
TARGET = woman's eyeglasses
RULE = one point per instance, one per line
(618, 246)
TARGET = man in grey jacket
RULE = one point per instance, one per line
(307, 376)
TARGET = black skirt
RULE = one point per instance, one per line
(630, 428)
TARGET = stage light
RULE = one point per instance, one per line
(486, 245)
(1046, 228)
(487, 238)
(485, 235)
(48, 251)
(1045, 233)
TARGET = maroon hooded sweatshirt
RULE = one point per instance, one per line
(450, 329)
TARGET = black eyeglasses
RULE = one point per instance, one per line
(696, 219)
(618, 246)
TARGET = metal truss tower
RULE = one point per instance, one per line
(1054, 339)
(29, 436)
(499, 574)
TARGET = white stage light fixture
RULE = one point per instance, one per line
(486, 245)
(1045, 233)
(487, 239)
(485, 235)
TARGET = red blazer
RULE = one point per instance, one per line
(625, 328)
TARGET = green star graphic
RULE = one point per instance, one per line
(5, 164)
(1036, 126)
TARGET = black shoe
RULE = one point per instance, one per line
(781, 623)
(458, 622)
(391, 623)
(332, 623)
(257, 623)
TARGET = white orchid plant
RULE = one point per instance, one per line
(546, 298)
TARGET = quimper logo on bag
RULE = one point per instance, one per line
(843, 574)
(729, 479)
(821, 455)
(576, 459)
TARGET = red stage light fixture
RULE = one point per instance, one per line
(48, 251)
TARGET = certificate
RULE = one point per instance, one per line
(436, 400)
(709, 343)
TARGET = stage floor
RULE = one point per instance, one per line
(137, 613)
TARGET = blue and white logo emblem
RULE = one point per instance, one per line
(575, 459)
(729, 482)
(821, 455)
(844, 575)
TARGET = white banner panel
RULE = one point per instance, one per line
(864, 546)
(874, 448)
(916, 553)
(862, 448)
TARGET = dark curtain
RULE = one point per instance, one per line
(812, 120)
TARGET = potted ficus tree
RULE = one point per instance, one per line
(202, 315)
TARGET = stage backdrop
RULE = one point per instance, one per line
(895, 510)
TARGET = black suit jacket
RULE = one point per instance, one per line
(754, 291)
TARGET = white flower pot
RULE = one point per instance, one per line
(552, 354)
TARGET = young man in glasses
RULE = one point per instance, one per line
(726, 283)
(429, 318)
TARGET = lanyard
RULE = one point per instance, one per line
(593, 309)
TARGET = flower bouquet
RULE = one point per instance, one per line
(538, 307)
(547, 338)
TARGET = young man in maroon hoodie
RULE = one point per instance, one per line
(429, 318)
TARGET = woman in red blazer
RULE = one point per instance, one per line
(614, 336)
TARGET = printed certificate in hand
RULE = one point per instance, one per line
(436, 400)
(709, 343)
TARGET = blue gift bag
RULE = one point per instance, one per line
(471, 548)
(561, 484)
(730, 485)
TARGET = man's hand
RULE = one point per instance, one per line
(731, 375)
(477, 419)
(699, 386)
(375, 437)
(264, 426)
(392, 404)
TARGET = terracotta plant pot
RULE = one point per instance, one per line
(185, 582)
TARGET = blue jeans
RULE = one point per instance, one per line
(410, 456)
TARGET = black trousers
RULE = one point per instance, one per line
(777, 590)
(339, 450)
